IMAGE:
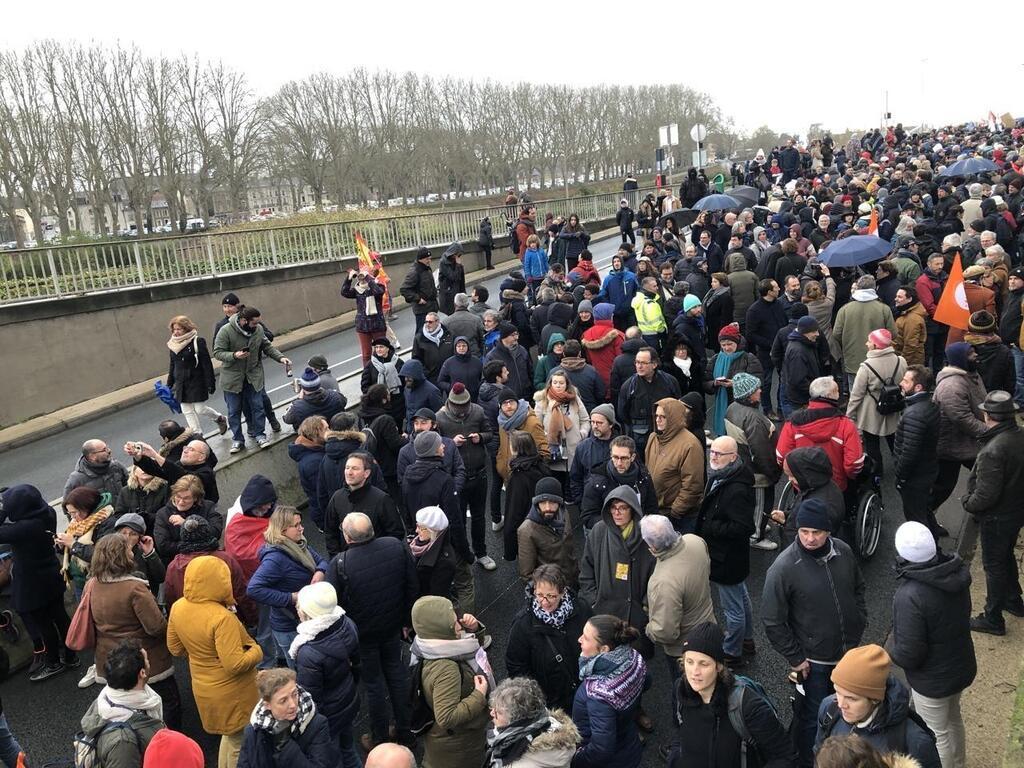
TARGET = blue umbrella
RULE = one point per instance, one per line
(854, 250)
(717, 203)
(163, 392)
(969, 166)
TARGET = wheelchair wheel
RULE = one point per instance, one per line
(868, 523)
(787, 498)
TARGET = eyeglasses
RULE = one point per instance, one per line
(644, 362)
(547, 598)
(660, 417)
(722, 453)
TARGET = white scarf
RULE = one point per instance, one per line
(464, 649)
(683, 365)
(309, 629)
(370, 303)
(434, 336)
(178, 343)
(118, 706)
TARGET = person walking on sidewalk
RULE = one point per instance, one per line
(994, 491)
(240, 346)
(931, 635)
(418, 288)
(190, 375)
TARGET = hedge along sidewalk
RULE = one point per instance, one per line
(993, 707)
(39, 427)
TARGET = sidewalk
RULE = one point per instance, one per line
(993, 707)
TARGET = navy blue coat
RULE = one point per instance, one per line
(465, 368)
(314, 748)
(331, 473)
(28, 526)
(325, 666)
(610, 737)
(423, 394)
(277, 576)
(377, 584)
(324, 403)
(309, 458)
(426, 484)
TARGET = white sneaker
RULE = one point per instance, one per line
(89, 677)
(236, 447)
(498, 525)
(486, 563)
(765, 545)
(262, 442)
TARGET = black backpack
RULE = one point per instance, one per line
(422, 718)
(513, 238)
(890, 399)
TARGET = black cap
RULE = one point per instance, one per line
(425, 413)
(232, 299)
(706, 638)
(422, 253)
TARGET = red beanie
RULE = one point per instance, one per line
(730, 332)
(170, 748)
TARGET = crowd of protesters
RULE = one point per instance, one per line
(623, 436)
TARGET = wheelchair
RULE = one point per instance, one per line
(865, 510)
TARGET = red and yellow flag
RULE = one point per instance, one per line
(370, 262)
(952, 308)
(873, 222)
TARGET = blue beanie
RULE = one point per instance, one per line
(812, 513)
(604, 311)
(956, 354)
(689, 302)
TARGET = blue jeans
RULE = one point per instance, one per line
(739, 617)
(9, 746)
(233, 400)
(1018, 365)
(817, 687)
(385, 674)
(283, 640)
(265, 639)
(347, 748)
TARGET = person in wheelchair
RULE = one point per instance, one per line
(810, 477)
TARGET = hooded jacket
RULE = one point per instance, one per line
(235, 372)
(812, 471)
(800, 366)
(742, 287)
(614, 571)
(547, 362)
(931, 634)
(679, 593)
(422, 394)
(222, 657)
(675, 460)
(959, 395)
(36, 581)
(619, 288)
(814, 607)
(604, 478)
(823, 425)
(320, 402)
(858, 318)
(338, 446)
(892, 713)
(144, 500)
(451, 278)
(467, 368)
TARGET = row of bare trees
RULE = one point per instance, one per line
(112, 126)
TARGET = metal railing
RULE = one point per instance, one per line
(73, 270)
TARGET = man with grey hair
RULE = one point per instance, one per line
(462, 322)
(432, 345)
(97, 470)
(864, 313)
(972, 206)
(376, 582)
(194, 461)
(679, 591)
(390, 755)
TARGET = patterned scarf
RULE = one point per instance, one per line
(82, 529)
(370, 304)
(507, 746)
(262, 720)
(616, 678)
(560, 614)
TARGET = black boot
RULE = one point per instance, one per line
(987, 624)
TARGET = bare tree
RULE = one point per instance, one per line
(239, 125)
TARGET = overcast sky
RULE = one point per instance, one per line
(774, 68)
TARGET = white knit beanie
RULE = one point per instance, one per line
(318, 599)
(915, 543)
(433, 518)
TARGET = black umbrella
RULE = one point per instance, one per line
(747, 195)
(717, 202)
(684, 217)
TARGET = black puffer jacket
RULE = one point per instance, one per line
(376, 585)
(996, 484)
(814, 607)
(190, 376)
(145, 500)
(917, 437)
(623, 366)
(726, 522)
(387, 436)
(27, 524)
(325, 666)
(435, 568)
(931, 632)
(548, 654)
(801, 365)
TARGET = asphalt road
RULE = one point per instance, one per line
(45, 716)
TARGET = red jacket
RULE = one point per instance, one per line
(585, 272)
(603, 342)
(243, 538)
(824, 426)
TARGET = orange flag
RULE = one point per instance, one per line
(371, 262)
(952, 308)
(873, 222)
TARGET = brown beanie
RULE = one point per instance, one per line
(863, 671)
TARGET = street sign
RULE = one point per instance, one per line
(699, 132)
